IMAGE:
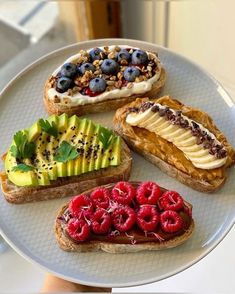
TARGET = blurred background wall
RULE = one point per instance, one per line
(199, 29)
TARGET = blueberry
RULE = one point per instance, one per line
(63, 84)
(97, 85)
(130, 73)
(123, 54)
(68, 70)
(95, 54)
(85, 67)
(109, 67)
(139, 57)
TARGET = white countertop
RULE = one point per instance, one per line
(213, 274)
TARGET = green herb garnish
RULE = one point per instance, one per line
(22, 167)
(105, 136)
(65, 152)
(22, 148)
(50, 129)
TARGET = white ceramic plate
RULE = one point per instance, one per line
(29, 228)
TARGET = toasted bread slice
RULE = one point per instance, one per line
(68, 186)
(54, 107)
(68, 244)
(167, 156)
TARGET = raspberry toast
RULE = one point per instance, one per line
(124, 217)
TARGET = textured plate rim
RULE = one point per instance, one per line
(229, 224)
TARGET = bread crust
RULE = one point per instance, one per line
(68, 186)
(101, 106)
(67, 244)
(201, 185)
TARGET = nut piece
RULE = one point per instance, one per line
(112, 55)
(70, 92)
(66, 100)
(76, 89)
(113, 78)
(110, 83)
(56, 99)
(97, 72)
(124, 62)
(118, 84)
(96, 62)
(120, 75)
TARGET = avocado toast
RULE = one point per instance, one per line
(60, 157)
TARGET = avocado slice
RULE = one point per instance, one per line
(43, 178)
(62, 128)
(88, 137)
(33, 132)
(94, 148)
(106, 158)
(71, 137)
(17, 177)
(42, 160)
(99, 155)
(51, 146)
(116, 151)
(63, 121)
(80, 143)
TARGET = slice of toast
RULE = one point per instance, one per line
(54, 107)
(68, 186)
(168, 157)
(68, 244)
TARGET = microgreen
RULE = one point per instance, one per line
(49, 128)
(65, 152)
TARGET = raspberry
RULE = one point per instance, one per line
(171, 221)
(80, 205)
(123, 218)
(148, 193)
(100, 198)
(171, 200)
(101, 222)
(78, 229)
(147, 218)
(123, 193)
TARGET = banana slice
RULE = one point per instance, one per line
(212, 164)
(187, 142)
(162, 126)
(149, 121)
(192, 148)
(135, 119)
(198, 153)
(168, 131)
(203, 159)
(170, 137)
(159, 121)
(187, 134)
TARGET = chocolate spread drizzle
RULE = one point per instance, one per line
(176, 119)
